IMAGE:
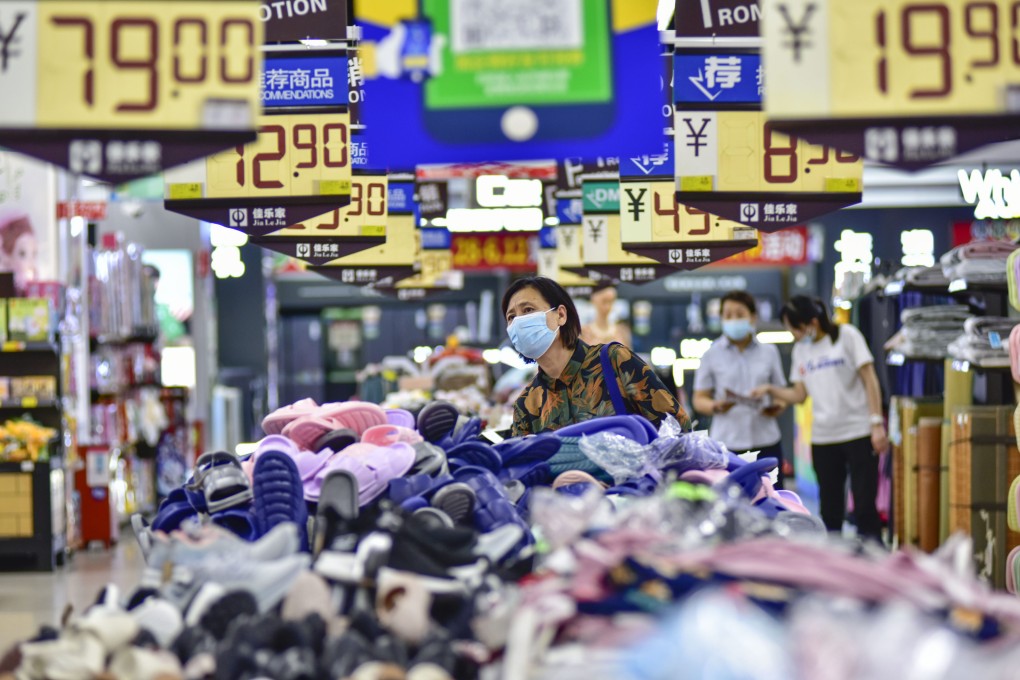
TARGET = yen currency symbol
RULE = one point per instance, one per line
(596, 229)
(7, 40)
(797, 31)
(696, 137)
(238, 217)
(636, 203)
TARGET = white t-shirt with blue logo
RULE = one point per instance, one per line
(829, 372)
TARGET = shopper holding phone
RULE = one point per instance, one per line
(833, 365)
(730, 370)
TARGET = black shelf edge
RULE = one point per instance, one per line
(25, 466)
(18, 347)
(28, 404)
(141, 337)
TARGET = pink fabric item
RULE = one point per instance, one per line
(384, 435)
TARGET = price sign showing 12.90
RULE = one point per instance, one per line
(654, 225)
(298, 168)
(735, 165)
(902, 82)
(343, 231)
(118, 89)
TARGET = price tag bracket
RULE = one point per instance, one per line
(686, 257)
(767, 211)
(909, 143)
(379, 276)
(637, 274)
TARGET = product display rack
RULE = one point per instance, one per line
(33, 493)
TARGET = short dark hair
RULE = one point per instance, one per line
(800, 311)
(740, 297)
(555, 295)
(603, 285)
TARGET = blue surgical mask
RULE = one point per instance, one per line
(809, 336)
(530, 335)
(737, 329)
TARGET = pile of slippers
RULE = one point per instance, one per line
(360, 542)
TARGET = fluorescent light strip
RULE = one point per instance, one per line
(775, 337)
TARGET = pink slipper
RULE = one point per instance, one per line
(356, 416)
(281, 417)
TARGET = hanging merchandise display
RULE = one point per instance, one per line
(902, 83)
(118, 90)
(469, 82)
(399, 257)
(731, 162)
(357, 226)
(602, 250)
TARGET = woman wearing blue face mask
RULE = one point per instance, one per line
(571, 385)
(735, 365)
(833, 365)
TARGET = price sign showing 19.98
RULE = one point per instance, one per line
(297, 169)
(357, 226)
(116, 89)
(903, 82)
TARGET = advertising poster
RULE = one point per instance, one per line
(28, 225)
(494, 80)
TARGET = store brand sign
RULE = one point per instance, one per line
(994, 195)
(294, 20)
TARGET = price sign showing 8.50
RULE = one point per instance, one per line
(116, 65)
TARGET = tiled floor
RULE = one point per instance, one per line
(29, 600)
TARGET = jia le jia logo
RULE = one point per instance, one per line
(994, 195)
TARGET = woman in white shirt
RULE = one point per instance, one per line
(833, 365)
(734, 365)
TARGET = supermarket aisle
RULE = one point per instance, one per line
(29, 600)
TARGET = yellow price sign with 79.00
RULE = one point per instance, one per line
(300, 163)
(736, 165)
(343, 231)
(103, 87)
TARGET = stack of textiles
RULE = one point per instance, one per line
(979, 262)
(923, 277)
(985, 341)
(928, 331)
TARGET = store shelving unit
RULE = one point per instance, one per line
(32, 494)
